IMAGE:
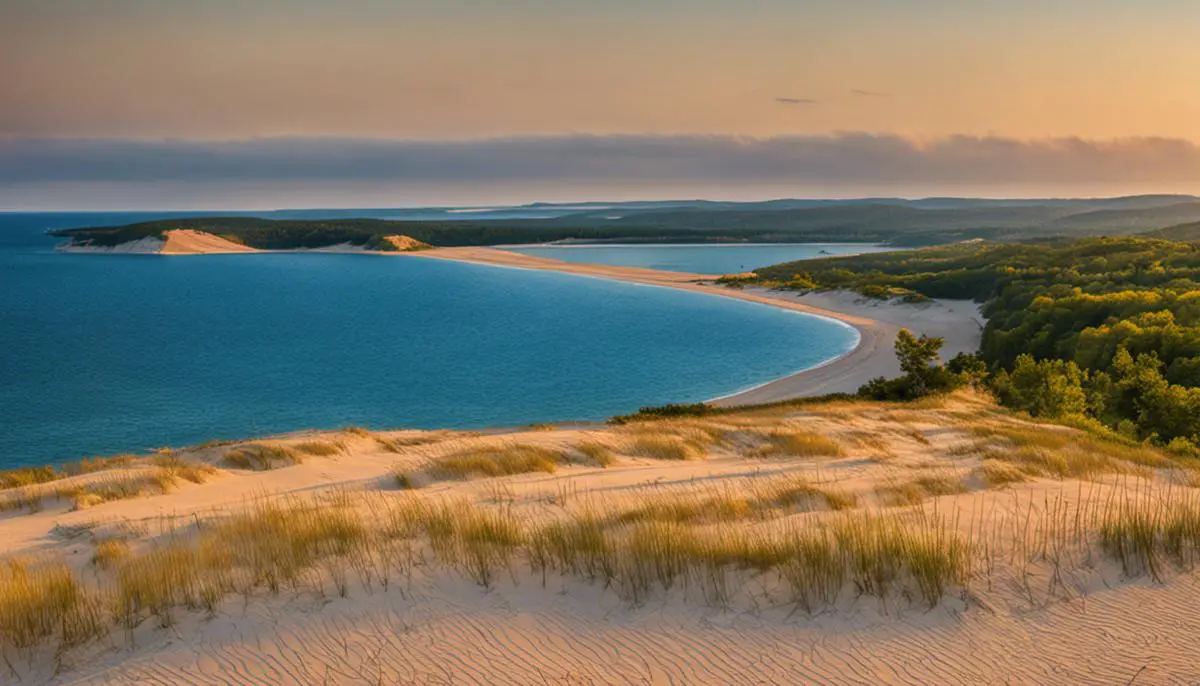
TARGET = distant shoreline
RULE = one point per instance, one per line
(876, 322)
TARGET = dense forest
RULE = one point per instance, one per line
(1106, 329)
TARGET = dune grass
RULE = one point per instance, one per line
(109, 552)
(1144, 533)
(505, 460)
(915, 491)
(1065, 453)
(599, 453)
(41, 602)
(262, 457)
(174, 467)
(997, 473)
(797, 443)
(319, 448)
(670, 439)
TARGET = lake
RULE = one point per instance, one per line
(118, 353)
(708, 258)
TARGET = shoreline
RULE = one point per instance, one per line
(877, 323)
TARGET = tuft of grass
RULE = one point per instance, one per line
(405, 480)
(1143, 534)
(28, 476)
(174, 467)
(319, 448)
(109, 552)
(671, 439)
(996, 473)
(262, 457)
(917, 490)
(664, 447)
(599, 453)
(791, 443)
(38, 603)
(504, 460)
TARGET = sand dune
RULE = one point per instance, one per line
(176, 242)
(188, 242)
(1044, 602)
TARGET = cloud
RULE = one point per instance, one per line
(647, 163)
(869, 94)
(796, 101)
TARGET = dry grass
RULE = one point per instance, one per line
(109, 552)
(28, 476)
(1065, 453)
(262, 457)
(996, 473)
(39, 603)
(174, 467)
(915, 491)
(505, 460)
(599, 453)
(320, 448)
(797, 443)
(399, 444)
(404, 479)
(671, 440)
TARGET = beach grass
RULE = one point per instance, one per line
(262, 457)
(505, 460)
(797, 443)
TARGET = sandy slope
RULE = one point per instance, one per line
(188, 242)
(877, 322)
(177, 242)
(1014, 624)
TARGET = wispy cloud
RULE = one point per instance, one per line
(796, 101)
(869, 94)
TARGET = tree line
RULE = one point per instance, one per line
(1104, 330)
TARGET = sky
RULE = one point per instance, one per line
(297, 103)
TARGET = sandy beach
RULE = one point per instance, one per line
(877, 322)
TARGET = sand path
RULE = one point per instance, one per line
(957, 321)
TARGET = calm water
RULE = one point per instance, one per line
(107, 353)
(698, 259)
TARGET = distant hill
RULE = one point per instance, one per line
(1124, 221)
(1182, 232)
(930, 221)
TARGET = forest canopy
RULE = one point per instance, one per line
(1103, 328)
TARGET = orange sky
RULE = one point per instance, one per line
(461, 68)
(129, 103)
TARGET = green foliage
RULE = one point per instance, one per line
(1107, 328)
(664, 412)
(923, 375)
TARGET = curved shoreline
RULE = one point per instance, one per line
(871, 357)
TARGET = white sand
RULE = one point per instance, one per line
(1011, 626)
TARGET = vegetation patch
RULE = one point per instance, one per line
(262, 457)
(496, 461)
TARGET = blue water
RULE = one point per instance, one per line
(698, 259)
(111, 353)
